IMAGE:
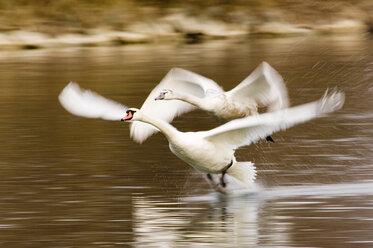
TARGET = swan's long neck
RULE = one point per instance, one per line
(168, 130)
(194, 100)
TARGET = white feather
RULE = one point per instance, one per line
(265, 86)
(248, 130)
(89, 104)
(179, 80)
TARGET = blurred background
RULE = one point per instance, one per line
(67, 181)
(41, 23)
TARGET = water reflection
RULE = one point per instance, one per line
(265, 217)
(223, 222)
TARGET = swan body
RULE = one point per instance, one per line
(262, 88)
(191, 147)
(181, 91)
(209, 151)
(201, 154)
(223, 107)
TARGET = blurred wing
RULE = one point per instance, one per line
(248, 130)
(264, 85)
(179, 80)
(89, 104)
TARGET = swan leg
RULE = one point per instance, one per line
(269, 139)
(223, 173)
(214, 185)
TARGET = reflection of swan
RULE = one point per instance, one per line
(231, 222)
(208, 151)
(250, 220)
(262, 88)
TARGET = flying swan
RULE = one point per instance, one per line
(264, 87)
(212, 151)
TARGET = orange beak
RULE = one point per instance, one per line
(127, 117)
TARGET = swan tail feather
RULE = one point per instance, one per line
(245, 172)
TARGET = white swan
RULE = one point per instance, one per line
(208, 151)
(264, 87)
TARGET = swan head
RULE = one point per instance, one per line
(132, 114)
(166, 95)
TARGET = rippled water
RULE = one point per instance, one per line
(67, 181)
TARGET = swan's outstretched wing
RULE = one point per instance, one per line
(248, 130)
(89, 104)
(264, 85)
(179, 80)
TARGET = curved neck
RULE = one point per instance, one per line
(194, 100)
(168, 130)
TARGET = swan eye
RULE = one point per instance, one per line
(164, 92)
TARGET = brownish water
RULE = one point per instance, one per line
(67, 181)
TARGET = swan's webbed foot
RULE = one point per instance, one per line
(269, 139)
(223, 173)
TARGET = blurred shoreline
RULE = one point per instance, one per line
(59, 23)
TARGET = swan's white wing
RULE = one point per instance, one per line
(89, 104)
(264, 85)
(248, 130)
(178, 80)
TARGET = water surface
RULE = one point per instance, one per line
(67, 181)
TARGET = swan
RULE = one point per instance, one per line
(264, 87)
(211, 151)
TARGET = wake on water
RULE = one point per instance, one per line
(257, 192)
